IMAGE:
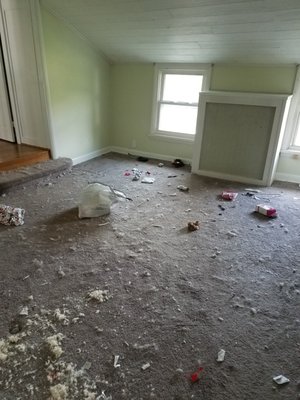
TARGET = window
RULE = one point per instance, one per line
(176, 97)
(291, 142)
(296, 138)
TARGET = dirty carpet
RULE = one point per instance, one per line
(133, 305)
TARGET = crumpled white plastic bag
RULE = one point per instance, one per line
(96, 200)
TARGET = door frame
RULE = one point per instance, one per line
(33, 8)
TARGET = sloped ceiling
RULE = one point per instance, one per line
(206, 31)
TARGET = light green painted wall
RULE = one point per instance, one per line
(132, 96)
(289, 168)
(79, 83)
(254, 78)
(132, 91)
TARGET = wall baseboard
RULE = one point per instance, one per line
(134, 152)
(156, 156)
(287, 177)
(90, 156)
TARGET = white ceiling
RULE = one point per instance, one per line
(206, 31)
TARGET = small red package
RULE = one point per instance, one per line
(195, 376)
(228, 195)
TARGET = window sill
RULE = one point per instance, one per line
(172, 137)
(290, 153)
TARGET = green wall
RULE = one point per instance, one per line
(254, 78)
(132, 95)
(79, 88)
(95, 105)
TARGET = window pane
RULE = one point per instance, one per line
(297, 136)
(173, 118)
(183, 88)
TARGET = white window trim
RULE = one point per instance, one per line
(288, 147)
(188, 69)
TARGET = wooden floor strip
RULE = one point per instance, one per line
(14, 155)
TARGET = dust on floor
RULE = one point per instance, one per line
(135, 306)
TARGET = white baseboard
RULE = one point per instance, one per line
(156, 156)
(124, 150)
(287, 177)
(90, 156)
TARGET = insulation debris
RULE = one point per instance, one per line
(3, 350)
(98, 295)
(53, 343)
(58, 392)
(60, 317)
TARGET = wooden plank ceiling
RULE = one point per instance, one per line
(206, 31)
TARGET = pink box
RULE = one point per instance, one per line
(227, 195)
(266, 210)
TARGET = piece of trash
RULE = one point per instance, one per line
(266, 210)
(221, 355)
(249, 194)
(183, 188)
(11, 215)
(24, 311)
(178, 163)
(60, 272)
(136, 174)
(96, 200)
(253, 190)
(280, 380)
(142, 159)
(228, 195)
(127, 173)
(231, 234)
(160, 164)
(193, 226)
(145, 366)
(116, 362)
(195, 376)
(172, 176)
(148, 180)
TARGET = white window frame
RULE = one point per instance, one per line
(293, 119)
(183, 69)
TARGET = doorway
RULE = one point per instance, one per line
(6, 119)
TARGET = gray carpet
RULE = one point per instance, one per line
(167, 300)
